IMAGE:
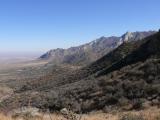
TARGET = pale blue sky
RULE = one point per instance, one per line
(39, 25)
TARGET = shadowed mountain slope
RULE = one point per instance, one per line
(149, 49)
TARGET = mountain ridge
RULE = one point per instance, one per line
(92, 51)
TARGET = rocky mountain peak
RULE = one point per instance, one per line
(127, 36)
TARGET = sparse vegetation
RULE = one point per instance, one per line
(115, 82)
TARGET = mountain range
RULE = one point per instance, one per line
(90, 52)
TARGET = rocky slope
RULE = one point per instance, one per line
(92, 51)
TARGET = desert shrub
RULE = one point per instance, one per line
(137, 104)
(1, 104)
(24, 115)
(27, 116)
(157, 117)
(107, 109)
(131, 117)
(109, 89)
(123, 101)
(111, 100)
(88, 106)
(152, 89)
(70, 115)
(150, 79)
(133, 90)
(119, 92)
(104, 81)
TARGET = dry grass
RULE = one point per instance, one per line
(149, 114)
(3, 117)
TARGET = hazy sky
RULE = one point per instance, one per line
(39, 25)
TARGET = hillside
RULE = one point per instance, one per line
(124, 79)
(150, 49)
(90, 52)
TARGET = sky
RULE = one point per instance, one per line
(40, 25)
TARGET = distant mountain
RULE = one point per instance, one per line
(90, 52)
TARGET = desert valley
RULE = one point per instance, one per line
(79, 60)
(108, 78)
